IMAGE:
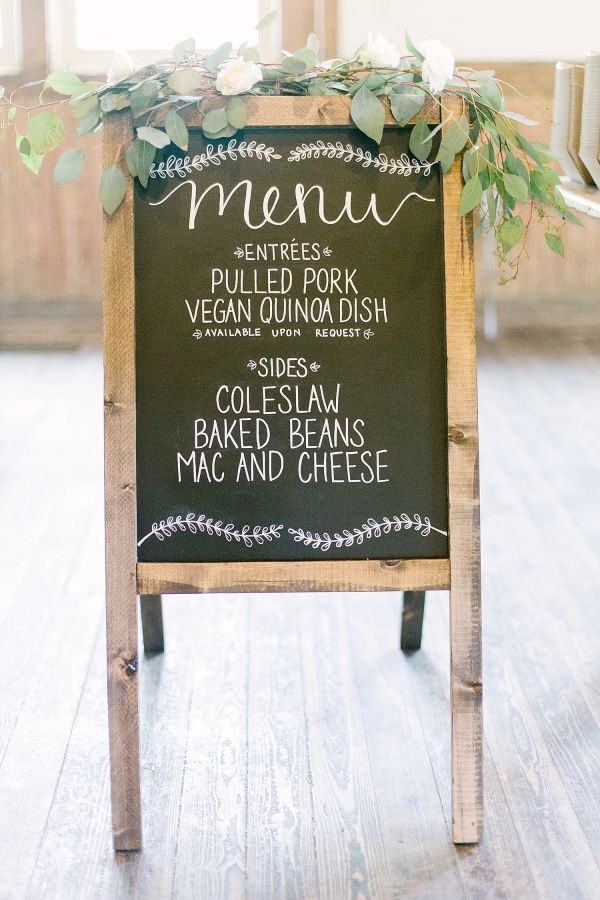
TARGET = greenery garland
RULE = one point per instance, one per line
(502, 170)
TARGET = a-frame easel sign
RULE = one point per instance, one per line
(290, 394)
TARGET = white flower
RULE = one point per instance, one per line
(122, 65)
(438, 64)
(238, 76)
(379, 53)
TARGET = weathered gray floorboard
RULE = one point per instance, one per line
(288, 748)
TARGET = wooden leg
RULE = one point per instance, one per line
(120, 511)
(123, 718)
(152, 623)
(411, 630)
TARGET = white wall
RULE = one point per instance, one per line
(521, 30)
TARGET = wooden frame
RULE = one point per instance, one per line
(125, 578)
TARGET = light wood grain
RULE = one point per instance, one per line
(463, 500)
(345, 575)
(119, 490)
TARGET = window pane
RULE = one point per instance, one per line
(131, 26)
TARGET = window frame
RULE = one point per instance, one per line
(63, 52)
(11, 52)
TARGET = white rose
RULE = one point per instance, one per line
(238, 76)
(379, 53)
(438, 64)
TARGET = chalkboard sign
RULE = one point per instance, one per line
(290, 350)
(290, 393)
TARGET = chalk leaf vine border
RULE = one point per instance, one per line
(330, 150)
(259, 534)
(213, 156)
(510, 181)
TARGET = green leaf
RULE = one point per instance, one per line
(373, 82)
(144, 154)
(538, 186)
(29, 157)
(153, 136)
(66, 83)
(267, 20)
(183, 81)
(471, 195)
(184, 49)
(215, 121)
(456, 135)
(406, 105)
(307, 56)
(218, 56)
(420, 140)
(113, 187)
(445, 159)
(517, 117)
(12, 113)
(293, 66)
(510, 233)
(490, 198)
(176, 129)
(490, 92)
(550, 176)
(83, 106)
(251, 54)
(411, 48)
(568, 216)
(87, 123)
(237, 112)
(45, 132)
(312, 42)
(69, 166)
(516, 186)
(114, 100)
(130, 159)
(555, 243)
(368, 114)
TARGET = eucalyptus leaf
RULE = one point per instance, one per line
(143, 98)
(69, 166)
(510, 233)
(29, 157)
(66, 83)
(445, 159)
(412, 49)
(515, 186)
(568, 216)
(215, 121)
(456, 135)
(45, 132)
(312, 42)
(237, 112)
(291, 65)
(555, 243)
(83, 106)
(406, 105)
(113, 187)
(87, 123)
(130, 159)
(176, 129)
(144, 154)
(218, 56)
(153, 136)
(420, 140)
(184, 49)
(490, 199)
(184, 81)
(113, 100)
(307, 56)
(491, 93)
(368, 114)
(267, 19)
(471, 195)
(251, 54)
(12, 113)
(517, 117)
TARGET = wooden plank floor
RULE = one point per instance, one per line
(289, 749)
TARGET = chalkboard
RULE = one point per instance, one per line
(291, 375)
